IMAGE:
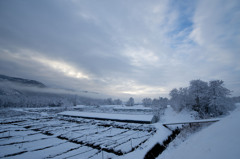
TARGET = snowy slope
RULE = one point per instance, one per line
(221, 140)
(161, 135)
(171, 116)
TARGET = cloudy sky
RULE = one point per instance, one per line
(140, 48)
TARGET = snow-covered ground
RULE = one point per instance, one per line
(170, 116)
(220, 140)
(40, 133)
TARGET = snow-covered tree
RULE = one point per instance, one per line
(147, 102)
(175, 99)
(163, 102)
(130, 102)
(117, 102)
(155, 102)
(159, 105)
(109, 101)
(198, 93)
(219, 103)
(236, 99)
(208, 99)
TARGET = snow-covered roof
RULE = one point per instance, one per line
(106, 116)
(138, 107)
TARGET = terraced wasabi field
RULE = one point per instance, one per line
(51, 136)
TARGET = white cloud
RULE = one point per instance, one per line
(141, 57)
(61, 66)
(133, 88)
(25, 55)
(216, 29)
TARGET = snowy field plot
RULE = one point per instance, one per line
(34, 136)
(137, 118)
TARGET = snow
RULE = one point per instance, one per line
(220, 140)
(56, 137)
(84, 106)
(161, 135)
(107, 116)
(171, 116)
(193, 121)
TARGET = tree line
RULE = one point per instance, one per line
(208, 99)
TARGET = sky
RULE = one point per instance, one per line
(121, 48)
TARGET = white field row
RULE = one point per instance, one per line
(32, 137)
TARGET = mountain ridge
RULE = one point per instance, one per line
(22, 81)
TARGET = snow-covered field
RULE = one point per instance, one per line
(34, 133)
(110, 116)
(41, 133)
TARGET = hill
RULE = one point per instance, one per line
(19, 92)
(24, 82)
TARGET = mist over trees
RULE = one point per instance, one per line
(38, 99)
(18, 92)
(209, 99)
(15, 95)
